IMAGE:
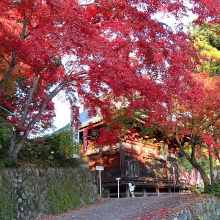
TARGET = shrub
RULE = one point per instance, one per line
(105, 193)
(214, 189)
(195, 190)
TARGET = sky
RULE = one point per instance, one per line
(62, 109)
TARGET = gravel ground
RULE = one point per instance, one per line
(142, 208)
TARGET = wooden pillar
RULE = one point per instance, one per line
(169, 190)
(127, 191)
(108, 192)
(122, 161)
(144, 191)
(157, 190)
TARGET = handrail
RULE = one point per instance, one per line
(140, 181)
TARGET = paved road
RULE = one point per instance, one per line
(142, 208)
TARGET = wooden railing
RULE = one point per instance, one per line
(140, 181)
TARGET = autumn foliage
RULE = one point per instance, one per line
(115, 47)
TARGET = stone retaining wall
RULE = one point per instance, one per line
(208, 209)
(36, 193)
(200, 208)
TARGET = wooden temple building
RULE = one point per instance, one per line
(150, 163)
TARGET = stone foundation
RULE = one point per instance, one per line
(37, 193)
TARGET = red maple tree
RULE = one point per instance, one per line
(35, 35)
(195, 124)
(117, 47)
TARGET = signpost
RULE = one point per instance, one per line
(118, 184)
(100, 168)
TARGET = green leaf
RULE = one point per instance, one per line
(50, 157)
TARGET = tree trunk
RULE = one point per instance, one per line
(16, 144)
(202, 172)
(211, 168)
(192, 159)
(217, 161)
(18, 138)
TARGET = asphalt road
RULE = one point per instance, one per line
(142, 208)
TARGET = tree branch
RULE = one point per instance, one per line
(7, 61)
(181, 147)
(8, 73)
(24, 115)
(38, 115)
(25, 21)
(12, 64)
